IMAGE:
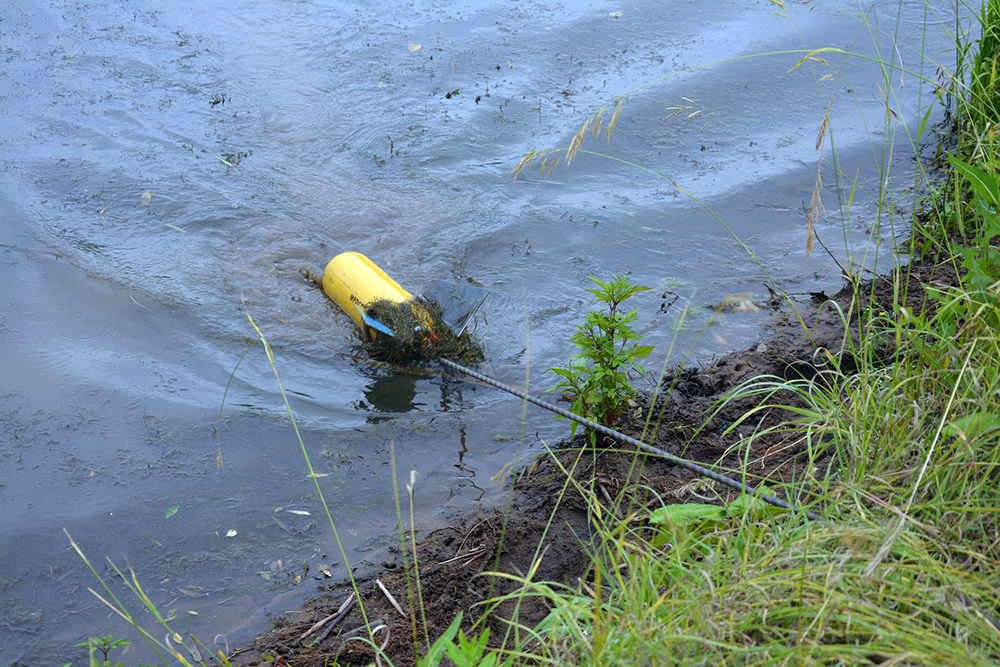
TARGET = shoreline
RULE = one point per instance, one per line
(547, 530)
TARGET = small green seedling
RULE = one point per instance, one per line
(599, 377)
(103, 644)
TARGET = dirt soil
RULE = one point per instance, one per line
(546, 517)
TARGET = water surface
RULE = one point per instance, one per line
(167, 169)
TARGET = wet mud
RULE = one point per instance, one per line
(548, 526)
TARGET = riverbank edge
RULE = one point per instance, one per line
(554, 532)
(543, 510)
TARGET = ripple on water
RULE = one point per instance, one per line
(83, 329)
(69, 326)
(79, 343)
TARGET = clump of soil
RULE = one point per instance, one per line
(419, 334)
(548, 519)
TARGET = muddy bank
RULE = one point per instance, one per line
(548, 521)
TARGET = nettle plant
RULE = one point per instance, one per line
(598, 378)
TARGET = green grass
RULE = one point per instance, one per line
(906, 568)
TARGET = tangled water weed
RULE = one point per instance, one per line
(419, 334)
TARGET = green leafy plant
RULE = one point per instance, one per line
(599, 376)
(103, 644)
(467, 652)
(685, 524)
(980, 258)
(901, 449)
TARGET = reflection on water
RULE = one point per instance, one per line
(167, 169)
(392, 393)
(470, 474)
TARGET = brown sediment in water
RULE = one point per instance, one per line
(548, 525)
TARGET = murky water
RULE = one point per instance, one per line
(167, 169)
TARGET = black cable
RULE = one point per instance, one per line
(600, 428)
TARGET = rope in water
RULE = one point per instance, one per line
(621, 437)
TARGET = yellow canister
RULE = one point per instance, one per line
(354, 281)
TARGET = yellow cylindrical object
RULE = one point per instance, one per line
(353, 281)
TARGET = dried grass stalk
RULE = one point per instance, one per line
(815, 206)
